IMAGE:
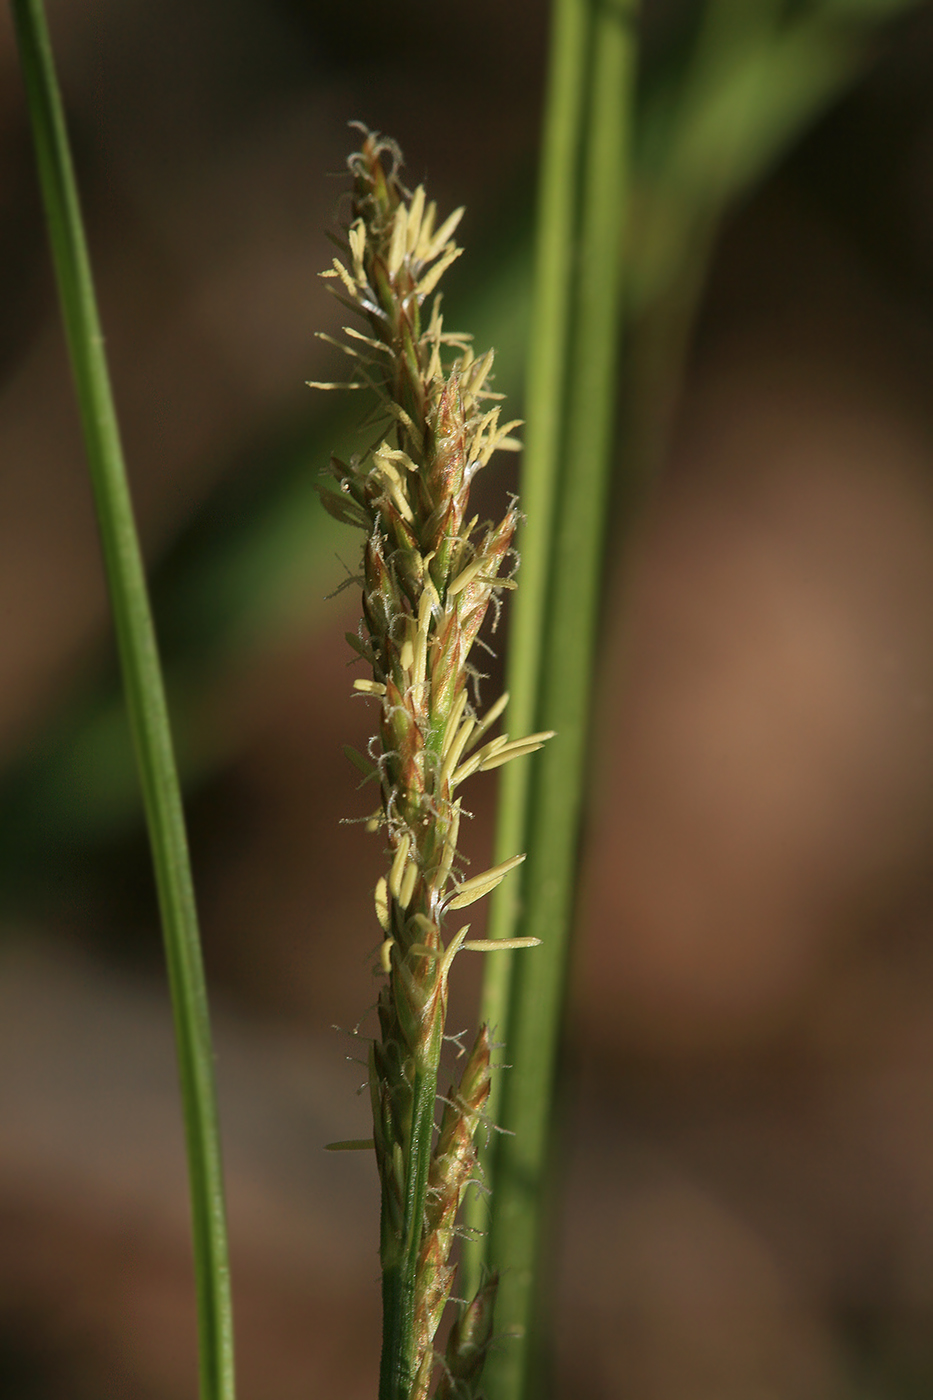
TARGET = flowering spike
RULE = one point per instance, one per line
(430, 574)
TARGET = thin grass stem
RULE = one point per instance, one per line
(569, 584)
(548, 355)
(750, 86)
(145, 698)
(547, 364)
(431, 575)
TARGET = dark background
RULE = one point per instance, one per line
(747, 1203)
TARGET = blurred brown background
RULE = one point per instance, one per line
(747, 1200)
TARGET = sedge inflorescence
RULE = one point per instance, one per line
(429, 576)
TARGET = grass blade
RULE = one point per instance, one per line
(566, 468)
(144, 695)
(755, 79)
(548, 341)
(548, 353)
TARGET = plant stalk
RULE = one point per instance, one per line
(145, 699)
(430, 574)
(569, 586)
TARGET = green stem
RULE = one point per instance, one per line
(548, 356)
(144, 695)
(739, 107)
(547, 362)
(553, 801)
(397, 1317)
(399, 1280)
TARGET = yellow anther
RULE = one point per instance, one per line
(398, 865)
(472, 890)
(465, 577)
(382, 904)
(408, 884)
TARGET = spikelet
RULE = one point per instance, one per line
(467, 1345)
(429, 576)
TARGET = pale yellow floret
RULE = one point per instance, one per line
(453, 720)
(479, 885)
(452, 949)
(455, 752)
(499, 945)
(426, 231)
(385, 453)
(408, 884)
(487, 425)
(415, 210)
(407, 422)
(430, 279)
(516, 749)
(332, 384)
(429, 602)
(344, 349)
(490, 718)
(459, 339)
(398, 864)
(419, 664)
(382, 903)
(500, 439)
(356, 235)
(481, 372)
(436, 323)
(475, 760)
(369, 687)
(434, 364)
(354, 334)
(460, 943)
(422, 921)
(398, 246)
(385, 465)
(428, 250)
(398, 495)
(467, 361)
(465, 577)
(450, 848)
(346, 279)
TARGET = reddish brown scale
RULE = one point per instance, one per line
(469, 1340)
(446, 669)
(476, 605)
(403, 534)
(402, 743)
(446, 475)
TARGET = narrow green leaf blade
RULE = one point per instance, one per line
(145, 698)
